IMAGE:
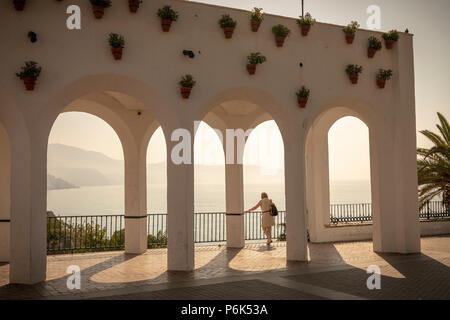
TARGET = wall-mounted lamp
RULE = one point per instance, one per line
(301, 64)
(32, 36)
(189, 53)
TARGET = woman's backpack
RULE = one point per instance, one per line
(274, 211)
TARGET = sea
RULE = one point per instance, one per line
(109, 200)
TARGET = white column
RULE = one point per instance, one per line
(5, 194)
(235, 205)
(180, 207)
(295, 183)
(28, 210)
(135, 202)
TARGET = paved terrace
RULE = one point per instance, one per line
(337, 271)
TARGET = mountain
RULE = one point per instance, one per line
(88, 168)
(54, 183)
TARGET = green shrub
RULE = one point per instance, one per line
(353, 69)
(280, 30)
(391, 35)
(166, 13)
(307, 20)
(384, 74)
(256, 58)
(351, 28)
(257, 14)
(187, 81)
(303, 92)
(227, 22)
(116, 40)
(374, 43)
(30, 70)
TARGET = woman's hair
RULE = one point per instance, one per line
(264, 195)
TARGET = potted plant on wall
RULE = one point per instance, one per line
(382, 76)
(98, 7)
(350, 31)
(256, 17)
(374, 46)
(228, 25)
(167, 15)
(117, 44)
(254, 59)
(302, 96)
(19, 4)
(390, 38)
(305, 23)
(280, 32)
(353, 70)
(29, 73)
(134, 5)
(187, 83)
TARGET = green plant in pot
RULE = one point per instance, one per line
(390, 38)
(382, 76)
(281, 32)
(117, 44)
(254, 59)
(305, 23)
(134, 5)
(256, 17)
(29, 73)
(353, 71)
(350, 31)
(374, 46)
(98, 7)
(19, 5)
(167, 15)
(228, 25)
(187, 82)
(302, 96)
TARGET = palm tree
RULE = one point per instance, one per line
(434, 165)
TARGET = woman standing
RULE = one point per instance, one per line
(267, 220)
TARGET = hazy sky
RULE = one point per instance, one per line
(427, 20)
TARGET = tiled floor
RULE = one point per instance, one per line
(335, 271)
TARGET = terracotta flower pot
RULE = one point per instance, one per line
(19, 4)
(29, 83)
(389, 44)
(99, 11)
(165, 24)
(228, 32)
(251, 68)
(255, 25)
(371, 52)
(280, 41)
(305, 30)
(354, 78)
(185, 92)
(117, 53)
(134, 5)
(302, 102)
(381, 83)
(349, 37)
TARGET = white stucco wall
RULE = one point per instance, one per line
(5, 194)
(78, 63)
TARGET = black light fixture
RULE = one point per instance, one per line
(32, 36)
(189, 53)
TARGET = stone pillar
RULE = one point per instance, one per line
(28, 256)
(235, 205)
(295, 184)
(135, 202)
(5, 195)
(180, 200)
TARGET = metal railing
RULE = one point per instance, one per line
(70, 234)
(360, 213)
(347, 213)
